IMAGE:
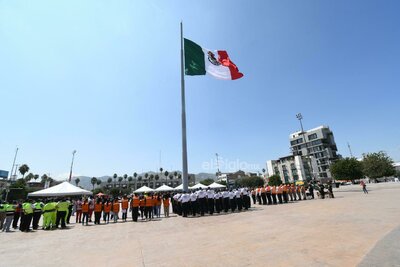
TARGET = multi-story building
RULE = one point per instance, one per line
(318, 144)
(312, 153)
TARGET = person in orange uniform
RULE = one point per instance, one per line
(263, 195)
(279, 193)
(106, 211)
(273, 192)
(298, 190)
(142, 206)
(98, 207)
(293, 190)
(135, 202)
(115, 209)
(166, 205)
(268, 193)
(285, 193)
(85, 212)
(157, 205)
(124, 206)
(148, 203)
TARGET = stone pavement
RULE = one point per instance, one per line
(329, 232)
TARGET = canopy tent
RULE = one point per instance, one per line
(163, 188)
(216, 185)
(179, 187)
(144, 189)
(198, 186)
(63, 189)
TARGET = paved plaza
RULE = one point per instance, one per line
(352, 229)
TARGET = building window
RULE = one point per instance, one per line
(312, 136)
(297, 141)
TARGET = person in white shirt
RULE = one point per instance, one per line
(201, 196)
(193, 203)
(218, 202)
(232, 201)
(238, 198)
(210, 201)
(225, 195)
(185, 198)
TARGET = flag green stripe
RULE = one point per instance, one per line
(194, 59)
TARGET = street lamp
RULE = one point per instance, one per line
(72, 164)
(300, 117)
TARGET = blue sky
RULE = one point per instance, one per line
(103, 77)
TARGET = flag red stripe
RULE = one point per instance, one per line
(225, 61)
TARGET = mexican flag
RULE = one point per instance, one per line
(199, 61)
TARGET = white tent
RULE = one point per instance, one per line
(216, 185)
(144, 189)
(63, 189)
(164, 188)
(198, 186)
(179, 187)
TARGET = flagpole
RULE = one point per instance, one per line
(184, 146)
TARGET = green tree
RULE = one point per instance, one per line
(125, 177)
(77, 180)
(98, 182)
(109, 180)
(130, 179)
(376, 165)
(36, 176)
(24, 168)
(207, 181)
(29, 177)
(93, 181)
(115, 176)
(347, 169)
(274, 180)
(44, 178)
(253, 181)
(120, 180)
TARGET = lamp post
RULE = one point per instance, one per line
(72, 164)
(300, 117)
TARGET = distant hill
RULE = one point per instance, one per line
(85, 180)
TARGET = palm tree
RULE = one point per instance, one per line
(166, 173)
(29, 177)
(36, 176)
(98, 182)
(109, 180)
(146, 175)
(171, 176)
(120, 180)
(23, 169)
(179, 176)
(77, 180)
(139, 178)
(125, 177)
(93, 181)
(135, 175)
(130, 179)
(115, 179)
(175, 173)
(44, 178)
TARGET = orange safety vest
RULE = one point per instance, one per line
(116, 207)
(124, 204)
(98, 207)
(135, 202)
(268, 188)
(85, 207)
(149, 202)
(107, 207)
(166, 202)
(274, 190)
(280, 190)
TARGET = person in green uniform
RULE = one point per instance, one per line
(2, 214)
(62, 212)
(9, 209)
(48, 210)
(37, 212)
(27, 211)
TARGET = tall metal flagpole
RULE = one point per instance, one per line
(184, 146)
(72, 164)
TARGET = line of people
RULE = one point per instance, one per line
(200, 202)
(56, 213)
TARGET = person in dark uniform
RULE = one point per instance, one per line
(311, 190)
